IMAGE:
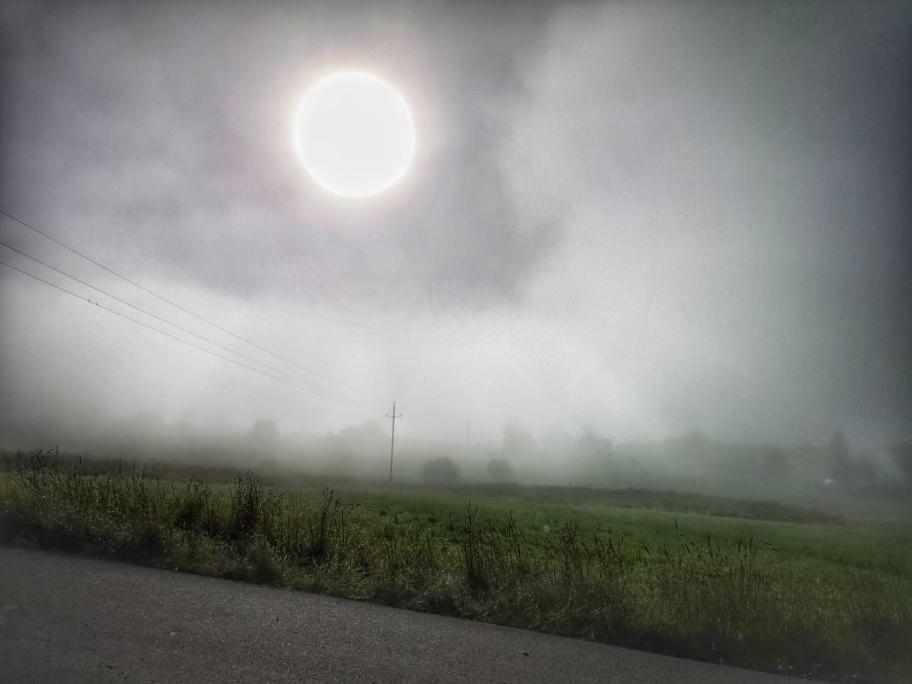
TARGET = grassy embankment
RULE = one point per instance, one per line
(824, 599)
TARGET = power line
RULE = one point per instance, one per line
(326, 394)
(166, 300)
(146, 325)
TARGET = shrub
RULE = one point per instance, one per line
(252, 506)
(500, 470)
(441, 471)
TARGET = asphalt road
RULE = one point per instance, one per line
(70, 619)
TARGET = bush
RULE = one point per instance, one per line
(500, 470)
(252, 506)
(441, 471)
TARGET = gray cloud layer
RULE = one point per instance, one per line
(644, 217)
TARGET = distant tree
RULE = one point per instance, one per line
(263, 437)
(516, 441)
(264, 431)
(500, 470)
(360, 440)
(441, 471)
(592, 460)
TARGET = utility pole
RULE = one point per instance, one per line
(393, 438)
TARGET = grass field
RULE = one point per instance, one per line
(827, 599)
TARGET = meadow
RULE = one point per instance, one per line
(803, 593)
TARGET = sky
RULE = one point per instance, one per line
(634, 218)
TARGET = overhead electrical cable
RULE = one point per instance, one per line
(327, 394)
(150, 327)
(167, 300)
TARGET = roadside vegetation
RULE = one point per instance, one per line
(801, 594)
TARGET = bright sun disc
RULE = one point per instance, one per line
(355, 134)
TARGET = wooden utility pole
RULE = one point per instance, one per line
(393, 438)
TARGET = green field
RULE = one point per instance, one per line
(828, 599)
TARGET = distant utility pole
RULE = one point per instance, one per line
(393, 438)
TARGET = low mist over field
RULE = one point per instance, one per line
(639, 244)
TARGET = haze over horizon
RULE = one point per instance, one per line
(639, 218)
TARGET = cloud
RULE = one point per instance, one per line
(645, 218)
(167, 131)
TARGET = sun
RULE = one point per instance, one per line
(355, 134)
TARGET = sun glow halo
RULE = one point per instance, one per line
(354, 134)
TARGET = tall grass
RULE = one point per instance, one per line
(734, 600)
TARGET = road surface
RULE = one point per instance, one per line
(70, 619)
